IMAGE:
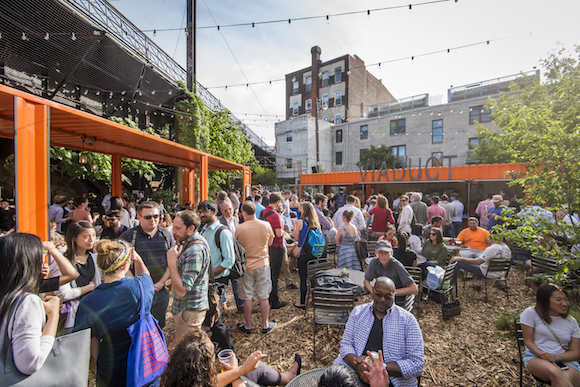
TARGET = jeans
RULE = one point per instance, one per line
(303, 271)
(219, 332)
(475, 269)
(424, 267)
(239, 302)
(159, 306)
(276, 258)
(457, 226)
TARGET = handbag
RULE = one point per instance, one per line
(215, 291)
(148, 356)
(450, 309)
(67, 364)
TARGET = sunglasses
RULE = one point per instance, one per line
(151, 216)
(432, 233)
(70, 203)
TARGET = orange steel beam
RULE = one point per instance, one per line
(31, 123)
(116, 178)
(203, 178)
(246, 182)
(188, 185)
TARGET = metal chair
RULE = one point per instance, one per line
(450, 278)
(498, 270)
(409, 302)
(520, 343)
(543, 265)
(416, 273)
(330, 307)
(312, 267)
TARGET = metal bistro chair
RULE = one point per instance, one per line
(416, 273)
(448, 277)
(330, 307)
(409, 302)
(543, 265)
(498, 270)
(312, 267)
(521, 348)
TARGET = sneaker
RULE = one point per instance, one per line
(242, 328)
(292, 286)
(271, 325)
(279, 305)
(425, 297)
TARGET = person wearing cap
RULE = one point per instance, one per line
(495, 212)
(387, 266)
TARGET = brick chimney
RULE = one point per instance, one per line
(316, 51)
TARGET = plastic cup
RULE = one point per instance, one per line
(457, 243)
(225, 356)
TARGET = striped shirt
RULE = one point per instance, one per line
(193, 267)
(402, 341)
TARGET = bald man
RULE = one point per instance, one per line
(382, 325)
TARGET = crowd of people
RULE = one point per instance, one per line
(146, 254)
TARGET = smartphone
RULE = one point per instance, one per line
(561, 365)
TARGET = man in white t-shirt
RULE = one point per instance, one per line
(478, 266)
(406, 216)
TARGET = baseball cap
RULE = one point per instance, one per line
(384, 246)
(496, 198)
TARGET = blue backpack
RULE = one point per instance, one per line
(315, 245)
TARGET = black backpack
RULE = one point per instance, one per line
(239, 268)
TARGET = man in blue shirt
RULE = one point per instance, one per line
(222, 261)
(495, 212)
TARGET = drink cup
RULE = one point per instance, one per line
(225, 356)
(458, 243)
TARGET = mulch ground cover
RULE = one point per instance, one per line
(466, 350)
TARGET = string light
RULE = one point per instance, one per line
(327, 20)
(46, 37)
(73, 37)
(24, 36)
(369, 14)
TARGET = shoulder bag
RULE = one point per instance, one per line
(564, 347)
(67, 364)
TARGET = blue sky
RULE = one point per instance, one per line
(521, 32)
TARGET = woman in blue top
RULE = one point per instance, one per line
(112, 307)
(309, 220)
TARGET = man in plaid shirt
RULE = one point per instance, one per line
(382, 325)
(188, 263)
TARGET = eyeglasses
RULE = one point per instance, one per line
(404, 200)
(151, 216)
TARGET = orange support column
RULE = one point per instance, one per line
(31, 141)
(203, 178)
(116, 178)
(188, 185)
(246, 182)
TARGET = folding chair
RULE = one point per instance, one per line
(498, 270)
(330, 307)
(543, 265)
(312, 267)
(521, 349)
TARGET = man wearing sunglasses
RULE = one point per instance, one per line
(152, 243)
(383, 326)
(115, 229)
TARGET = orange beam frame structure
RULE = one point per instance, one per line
(117, 173)
(31, 138)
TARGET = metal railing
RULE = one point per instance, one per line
(490, 86)
(400, 105)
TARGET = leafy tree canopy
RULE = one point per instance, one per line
(376, 155)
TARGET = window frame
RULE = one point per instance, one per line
(325, 80)
(439, 155)
(434, 128)
(477, 112)
(295, 87)
(308, 105)
(338, 97)
(397, 147)
(339, 116)
(338, 136)
(325, 99)
(289, 136)
(398, 126)
(338, 74)
(365, 131)
(308, 84)
(289, 164)
(336, 159)
(295, 109)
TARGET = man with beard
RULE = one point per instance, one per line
(381, 325)
(188, 263)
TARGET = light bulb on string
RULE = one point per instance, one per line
(369, 14)
(24, 37)
(253, 26)
(154, 32)
(327, 20)
(152, 92)
(98, 92)
(73, 37)
(46, 37)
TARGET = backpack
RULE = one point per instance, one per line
(264, 216)
(239, 268)
(315, 245)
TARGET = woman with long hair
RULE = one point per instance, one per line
(434, 249)
(345, 238)
(309, 220)
(382, 216)
(403, 254)
(295, 205)
(389, 235)
(33, 321)
(112, 307)
(552, 338)
(80, 240)
(192, 364)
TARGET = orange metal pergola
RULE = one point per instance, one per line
(36, 123)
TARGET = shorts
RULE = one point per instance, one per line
(259, 280)
(528, 355)
(186, 321)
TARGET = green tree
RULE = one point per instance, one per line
(214, 133)
(264, 176)
(539, 124)
(376, 155)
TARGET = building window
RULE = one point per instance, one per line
(289, 163)
(295, 109)
(439, 161)
(437, 133)
(398, 126)
(324, 101)
(325, 118)
(364, 132)
(338, 158)
(288, 136)
(337, 75)
(337, 119)
(295, 87)
(325, 78)
(308, 83)
(474, 142)
(479, 114)
(337, 98)
(308, 105)
(398, 151)
(339, 135)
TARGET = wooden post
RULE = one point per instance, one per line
(117, 176)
